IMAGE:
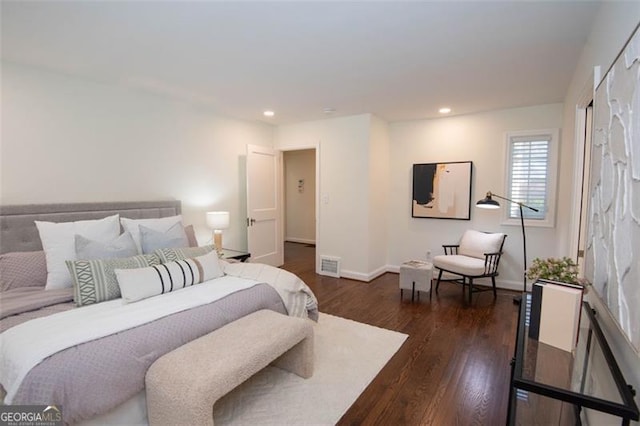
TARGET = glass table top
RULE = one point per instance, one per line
(587, 376)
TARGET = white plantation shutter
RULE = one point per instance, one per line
(529, 174)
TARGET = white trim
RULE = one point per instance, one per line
(317, 148)
(578, 154)
(395, 269)
(359, 276)
(552, 183)
(317, 242)
(584, 99)
(299, 240)
(511, 285)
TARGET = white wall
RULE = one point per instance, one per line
(300, 203)
(612, 27)
(479, 138)
(379, 151)
(70, 140)
(343, 146)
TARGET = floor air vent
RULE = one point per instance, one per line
(330, 266)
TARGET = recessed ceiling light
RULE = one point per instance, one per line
(444, 110)
(269, 113)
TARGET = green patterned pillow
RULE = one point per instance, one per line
(175, 254)
(95, 280)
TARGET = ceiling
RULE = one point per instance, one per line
(398, 60)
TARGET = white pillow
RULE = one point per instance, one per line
(58, 242)
(158, 224)
(476, 244)
(141, 283)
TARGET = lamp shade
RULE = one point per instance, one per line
(218, 220)
(488, 202)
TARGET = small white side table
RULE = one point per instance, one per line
(416, 275)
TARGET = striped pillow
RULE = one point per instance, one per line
(138, 284)
(95, 280)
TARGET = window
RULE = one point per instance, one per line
(531, 176)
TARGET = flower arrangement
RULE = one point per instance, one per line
(564, 270)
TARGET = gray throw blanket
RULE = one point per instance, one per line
(19, 300)
(23, 304)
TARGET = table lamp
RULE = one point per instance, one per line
(218, 221)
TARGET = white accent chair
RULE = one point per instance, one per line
(476, 256)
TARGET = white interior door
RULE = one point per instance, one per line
(584, 205)
(264, 211)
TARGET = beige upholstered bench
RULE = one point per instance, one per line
(183, 385)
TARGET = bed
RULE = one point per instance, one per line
(91, 360)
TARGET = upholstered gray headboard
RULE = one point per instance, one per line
(18, 231)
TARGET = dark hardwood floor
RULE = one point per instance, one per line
(454, 367)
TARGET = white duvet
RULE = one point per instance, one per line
(26, 345)
(295, 294)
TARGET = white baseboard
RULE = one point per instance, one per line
(512, 285)
(299, 240)
(393, 268)
(359, 276)
(504, 284)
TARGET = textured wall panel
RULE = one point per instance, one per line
(612, 261)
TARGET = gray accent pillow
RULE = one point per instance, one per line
(151, 240)
(123, 246)
(95, 280)
(23, 269)
(174, 254)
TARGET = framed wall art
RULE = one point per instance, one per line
(442, 190)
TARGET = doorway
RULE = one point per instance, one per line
(299, 187)
(582, 154)
(584, 193)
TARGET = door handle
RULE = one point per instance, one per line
(250, 221)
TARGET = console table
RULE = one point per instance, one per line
(552, 386)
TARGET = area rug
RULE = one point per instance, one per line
(348, 356)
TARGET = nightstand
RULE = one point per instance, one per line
(229, 254)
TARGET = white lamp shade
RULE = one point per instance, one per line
(218, 220)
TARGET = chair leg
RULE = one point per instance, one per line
(438, 283)
(493, 281)
(470, 288)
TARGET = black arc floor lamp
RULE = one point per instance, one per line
(489, 203)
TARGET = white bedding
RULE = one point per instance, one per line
(296, 296)
(24, 346)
